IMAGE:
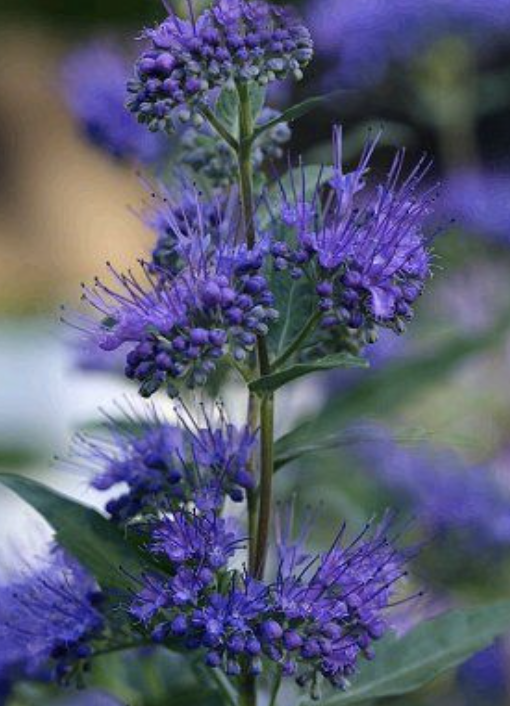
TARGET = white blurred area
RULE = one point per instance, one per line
(44, 399)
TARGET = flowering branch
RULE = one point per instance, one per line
(315, 285)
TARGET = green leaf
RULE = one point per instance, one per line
(297, 111)
(381, 392)
(227, 108)
(296, 301)
(345, 437)
(257, 99)
(83, 532)
(270, 383)
(406, 664)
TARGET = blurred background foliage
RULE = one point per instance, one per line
(66, 208)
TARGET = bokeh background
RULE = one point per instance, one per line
(428, 429)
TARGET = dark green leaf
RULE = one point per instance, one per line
(381, 392)
(296, 302)
(406, 664)
(227, 108)
(297, 111)
(83, 532)
(273, 382)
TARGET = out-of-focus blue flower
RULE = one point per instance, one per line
(94, 87)
(318, 616)
(445, 494)
(479, 200)
(362, 38)
(48, 613)
(483, 679)
(231, 40)
(164, 465)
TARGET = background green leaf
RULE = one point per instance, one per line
(349, 436)
(83, 532)
(406, 664)
(382, 391)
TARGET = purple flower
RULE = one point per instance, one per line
(94, 79)
(480, 202)
(447, 495)
(87, 357)
(334, 608)
(49, 613)
(196, 541)
(361, 39)
(232, 40)
(365, 249)
(165, 465)
(197, 547)
(178, 327)
(170, 216)
(318, 617)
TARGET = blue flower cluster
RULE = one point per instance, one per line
(232, 40)
(49, 613)
(206, 298)
(316, 618)
(94, 85)
(198, 546)
(179, 326)
(365, 249)
(164, 465)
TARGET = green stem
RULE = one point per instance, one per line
(222, 684)
(245, 162)
(297, 342)
(253, 423)
(220, 129)
(258, 549)
(266, 482)
(248, 693)
(275, 689)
